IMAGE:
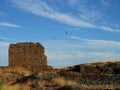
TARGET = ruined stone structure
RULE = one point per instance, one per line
(29, 55)
(100, 67)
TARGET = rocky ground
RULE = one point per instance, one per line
(92, 76)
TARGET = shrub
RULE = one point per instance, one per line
(60, 82)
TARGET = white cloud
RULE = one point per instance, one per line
(4, 38)
(73, 2)
(105, 2)
(105, 43)
(6, 24)
(90, 14)
(43, 9)
(3, 44)
(86, 10)
(63, 53)
(99, 43)
(74, 37)
(4, 53)
(106, 28)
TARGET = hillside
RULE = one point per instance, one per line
(110, 67)
(89, 76)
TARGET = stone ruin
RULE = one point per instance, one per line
(100, 67)
(29, 55)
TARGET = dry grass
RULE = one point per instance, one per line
(14, 69)
(102, 63)
(24, 86)
(42, 83)
(70, 82)
(15, 87)
(60, 82)
(57, 82)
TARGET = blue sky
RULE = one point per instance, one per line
(72, 31)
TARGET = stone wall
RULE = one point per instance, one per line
(30, 55)
(101, 67)
(96, 68)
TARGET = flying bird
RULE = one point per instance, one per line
(66, 32)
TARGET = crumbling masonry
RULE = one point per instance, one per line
(29, 55)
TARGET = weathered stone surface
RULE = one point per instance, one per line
(101, 68)
(30, 55)
(97, 68)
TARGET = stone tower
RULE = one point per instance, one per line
(29, 55)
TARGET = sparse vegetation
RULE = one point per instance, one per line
(16, 87)
(15, 80)
(1, 83)
(60, 82)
